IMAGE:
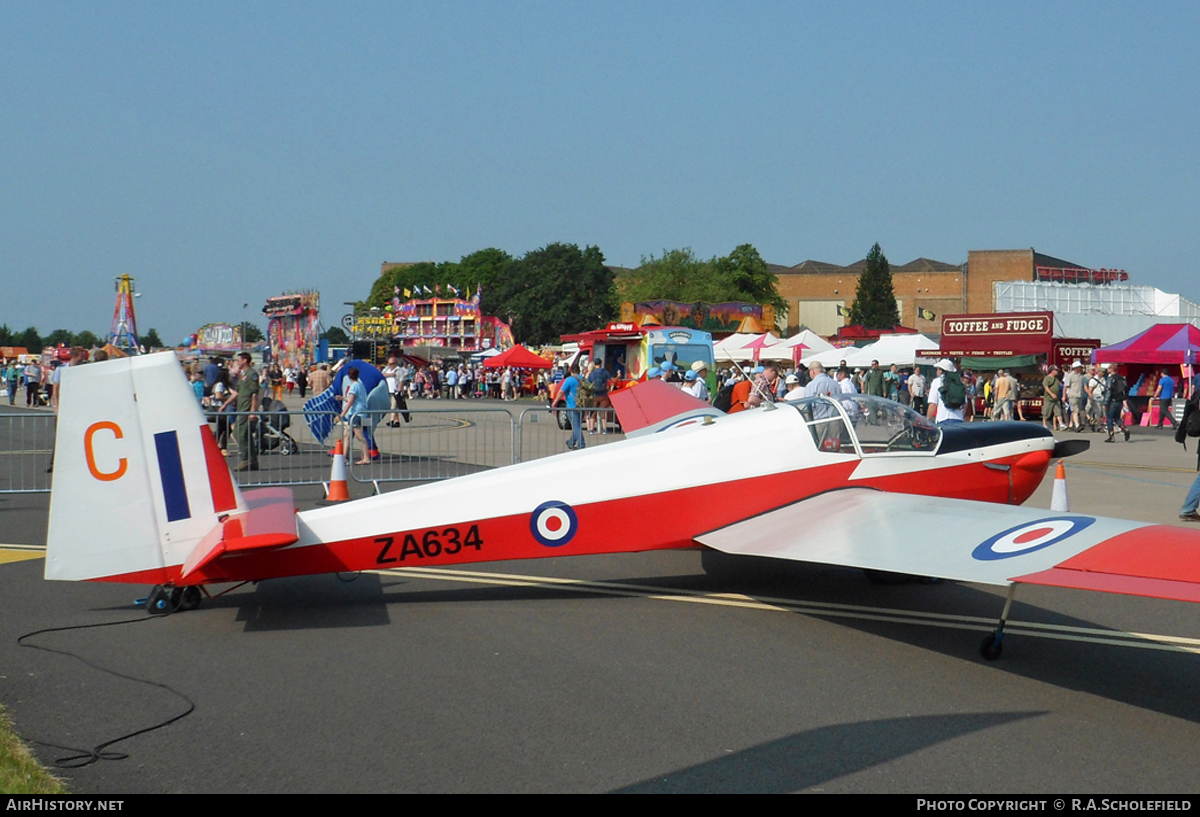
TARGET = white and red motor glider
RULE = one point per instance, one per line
(141, 494)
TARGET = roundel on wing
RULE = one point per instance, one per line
(553, 523)
(1031, 536)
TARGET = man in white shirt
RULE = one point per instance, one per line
(794, 390)
(916, 390)
(693, 385)
(938, 411)
(846, 382)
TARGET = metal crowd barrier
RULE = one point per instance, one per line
(435, 443)
(539, 432)
(26, 452)
(288, 452)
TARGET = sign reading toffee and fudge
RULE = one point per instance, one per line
(1009, 334)
(1005, 334)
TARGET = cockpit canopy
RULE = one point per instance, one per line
(866, 425)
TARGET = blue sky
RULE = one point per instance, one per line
(225, 152)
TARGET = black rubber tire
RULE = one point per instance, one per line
(190, 598)
(990, 648)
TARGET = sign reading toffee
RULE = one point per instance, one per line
(1003, 334)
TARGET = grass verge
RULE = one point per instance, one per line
(20, 773)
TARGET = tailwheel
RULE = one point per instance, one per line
(190, 598)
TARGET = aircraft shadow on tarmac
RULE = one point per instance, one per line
(809, 758)
(1161, 681)
(312, 603)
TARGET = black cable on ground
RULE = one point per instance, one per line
(85, 757)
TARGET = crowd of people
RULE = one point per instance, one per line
(1080, 398)
(37, 381)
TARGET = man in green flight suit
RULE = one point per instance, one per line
(873, 382)
(247, 403)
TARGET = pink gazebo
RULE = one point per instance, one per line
(1163, 343)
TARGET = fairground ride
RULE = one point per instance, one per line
(124, 334)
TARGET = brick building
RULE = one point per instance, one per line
(814, 289)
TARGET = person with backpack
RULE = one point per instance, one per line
(947, 394)
(1190, 427)
(1118, 392)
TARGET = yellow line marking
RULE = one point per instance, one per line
(1148, 641)
(21, 553)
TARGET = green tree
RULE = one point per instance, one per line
(87, 339)
(59, 337)
(426, 275)
(385, 286)
(875, 301)
(336, 335)
(31, 340)
(488, 268)
(253, 334)
(556, 290)
(747, 277)
(678, 275)
(151, 340)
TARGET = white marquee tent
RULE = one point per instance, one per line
(902, 350)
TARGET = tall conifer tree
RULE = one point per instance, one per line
(875, 302)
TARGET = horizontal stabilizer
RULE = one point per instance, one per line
(647, 407)
(270, 522)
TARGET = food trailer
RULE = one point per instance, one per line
(629, 351)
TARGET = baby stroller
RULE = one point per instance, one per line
(272, 428)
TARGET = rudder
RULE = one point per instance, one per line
(138, 477)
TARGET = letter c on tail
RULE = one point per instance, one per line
(122, 463)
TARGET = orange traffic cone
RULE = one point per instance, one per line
(339, 491)
(1058, 500)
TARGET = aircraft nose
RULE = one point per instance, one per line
(967, 436)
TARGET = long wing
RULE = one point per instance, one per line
(974, 542)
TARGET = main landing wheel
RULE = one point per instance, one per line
(190, 598)
(991, 647)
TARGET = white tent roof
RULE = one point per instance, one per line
(831, 357)
(732, 348)
(735, 341)
(902, 350)
(811, 339)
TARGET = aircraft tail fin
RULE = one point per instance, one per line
(139, 479)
